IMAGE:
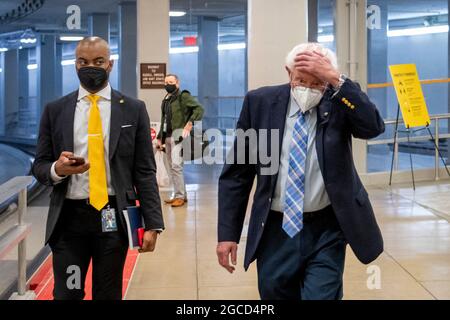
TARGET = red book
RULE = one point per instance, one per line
(140, 232)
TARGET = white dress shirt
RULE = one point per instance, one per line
(79, 183)
(316, 197)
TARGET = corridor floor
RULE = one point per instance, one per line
(415, 264)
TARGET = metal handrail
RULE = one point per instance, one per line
(16, 236)
(437, 137)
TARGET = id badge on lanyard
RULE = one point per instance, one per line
(109, 221)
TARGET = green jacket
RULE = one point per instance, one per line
(185, 108)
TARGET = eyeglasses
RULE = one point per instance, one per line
(310, 85)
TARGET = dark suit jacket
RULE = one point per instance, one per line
(349, 113)
(131, 156)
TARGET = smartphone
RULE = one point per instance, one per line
(78, 161)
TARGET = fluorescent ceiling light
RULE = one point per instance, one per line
(183, 50)
(398, 33)
(28, 40)
(177, 13)
(32, 66)
(220, 47)
(71, 38)
(418, 31)
(3, 49)
(71, 62)
(325, 38)
(68, 62)
(231, 46)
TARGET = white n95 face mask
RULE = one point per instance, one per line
(306, 98)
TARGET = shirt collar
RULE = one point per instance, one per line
(105, 93)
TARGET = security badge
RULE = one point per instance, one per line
(109, 222)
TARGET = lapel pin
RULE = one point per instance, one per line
(122, 101)
(325, 114)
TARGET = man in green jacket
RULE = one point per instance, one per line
(179, 110)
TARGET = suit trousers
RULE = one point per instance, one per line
(78, 239)
(309, 266)
(175, 161)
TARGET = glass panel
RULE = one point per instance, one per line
(404, 32)
(217, 85)
(183, 58)
(326, 35)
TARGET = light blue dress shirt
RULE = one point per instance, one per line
(316, 197)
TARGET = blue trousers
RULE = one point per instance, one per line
(309, 266)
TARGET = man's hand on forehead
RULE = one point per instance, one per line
(318, 65)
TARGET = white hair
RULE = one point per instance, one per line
(310, 47)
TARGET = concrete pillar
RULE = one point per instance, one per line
(98, 25)
(351, 44)
(377, 41)
(58, 71)
(23, 79)
(127, 48)
(274, 28)
(246, 55)
(11, 77)
(208, 68)
(448, 92)
(153, 47)
(47, 70)
(2, 97)
(313, 20)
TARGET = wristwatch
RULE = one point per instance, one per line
(342, 79)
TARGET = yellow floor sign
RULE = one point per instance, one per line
(410, 95)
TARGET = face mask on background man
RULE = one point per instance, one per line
(170, 88)
(93, 78)
(306, 98)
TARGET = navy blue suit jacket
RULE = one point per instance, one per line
(349, 113)
(131, 156)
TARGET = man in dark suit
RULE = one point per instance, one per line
(94, 148)
(304, 215)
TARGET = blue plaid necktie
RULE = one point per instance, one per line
(295, 186)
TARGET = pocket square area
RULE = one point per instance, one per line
(127, 126)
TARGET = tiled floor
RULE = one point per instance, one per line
(415, 265)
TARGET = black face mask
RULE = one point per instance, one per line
(171, 88)
(93, 78)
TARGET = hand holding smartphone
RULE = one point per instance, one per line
(78, 160)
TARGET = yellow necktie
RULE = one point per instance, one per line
(98, 192)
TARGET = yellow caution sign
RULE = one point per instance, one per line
(410, 95)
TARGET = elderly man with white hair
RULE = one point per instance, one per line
(305, 214)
